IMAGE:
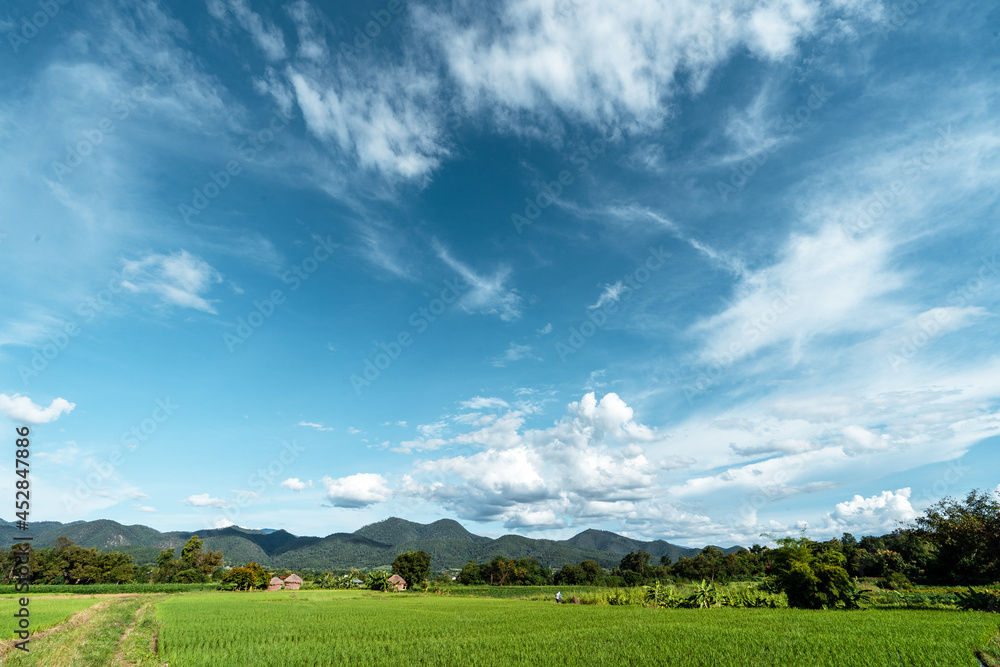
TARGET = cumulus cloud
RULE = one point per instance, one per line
(204, 500)
(355, 491)
(22, 409)
(144, 508)
(591, 458)
(179, 279)
(295, 484)
(880, 513)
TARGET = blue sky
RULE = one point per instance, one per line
(686, 270)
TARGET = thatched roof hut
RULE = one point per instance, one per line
(275, 584)
(398, 583)
(292, 582)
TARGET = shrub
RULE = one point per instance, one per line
(981, 600)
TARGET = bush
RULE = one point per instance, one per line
(896, 581)
(981, 600)
(811, 578)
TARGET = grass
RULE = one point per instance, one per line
(45, 613)
(362, 628)
(113, 635)
(327, 627)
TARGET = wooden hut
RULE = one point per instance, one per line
(397, 582)
(292, 582)
(275, 584)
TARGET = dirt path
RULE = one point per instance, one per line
(117, 631)
(76, 620)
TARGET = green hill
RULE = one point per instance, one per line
(449, 544)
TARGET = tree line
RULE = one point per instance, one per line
(70, 564)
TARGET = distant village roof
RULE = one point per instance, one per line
(398, 582)
(293, 578)
(275, 580)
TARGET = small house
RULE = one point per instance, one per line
(397, 582)
(275, 584)
(292, 582)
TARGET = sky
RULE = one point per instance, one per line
(707, 271)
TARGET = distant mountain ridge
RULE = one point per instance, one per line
(449, 544)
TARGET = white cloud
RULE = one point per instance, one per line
(590, 459)
(204, 500)
(611, 294)
(546, 330)
(481, 403)
(295, 484)
(387, 119)
(20, 408)
(514, 352)
(486, 294)
(602, 63)
(356, 491)
(144, 508)
(877, 514)
(267, 36)
(824, 284)
(318, 427)
(222, 523)
(179, 279)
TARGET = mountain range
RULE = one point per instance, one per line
(449, 544)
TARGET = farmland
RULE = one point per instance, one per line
(313, 627)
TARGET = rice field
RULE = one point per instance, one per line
(359, 628)
(45, 612)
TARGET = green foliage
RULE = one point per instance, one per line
(895, 581)
(414, 567)
(470, 574)
(979, 600)
(361, 629)
(251, 576)
(966, 534)
(378, 580)
(813, 577)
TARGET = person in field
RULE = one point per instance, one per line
(559, 597)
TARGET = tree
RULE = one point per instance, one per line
(967, 537)
(378, 580)
(247, 578)
(413, 566)
(470, 574)
(636, 563)
(813, 577)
